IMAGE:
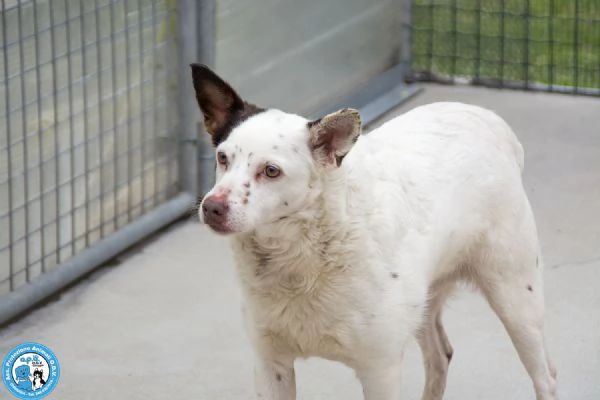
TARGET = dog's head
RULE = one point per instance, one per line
(268, 162)
(23, 371)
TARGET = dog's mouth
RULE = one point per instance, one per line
(220, 229)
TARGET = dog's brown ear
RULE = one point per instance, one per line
(332, 136)
(218, 102)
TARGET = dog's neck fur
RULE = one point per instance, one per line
(299, 247)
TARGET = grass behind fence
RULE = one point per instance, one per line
(555, 42)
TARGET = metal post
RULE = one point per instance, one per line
(206, 53)
(9, 155)
(406, 39)
(187, 37)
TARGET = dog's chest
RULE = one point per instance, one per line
(300, 310)
(305, 325)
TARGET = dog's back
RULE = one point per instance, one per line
(457, 120)
(450, 132)
(449, 170)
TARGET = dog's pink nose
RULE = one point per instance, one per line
(214, 209)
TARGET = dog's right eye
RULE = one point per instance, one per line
(222, 158)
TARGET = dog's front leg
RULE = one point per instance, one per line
(381, 380)
(275, 379)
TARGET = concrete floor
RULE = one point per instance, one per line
(164, 323)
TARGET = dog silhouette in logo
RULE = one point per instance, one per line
(38, 379)
(23, 373)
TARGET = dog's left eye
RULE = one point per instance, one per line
(222, 158)
(272, 171)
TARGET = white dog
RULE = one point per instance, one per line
(349, 245)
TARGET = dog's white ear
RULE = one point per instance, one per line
(217, 100)
(332, 136)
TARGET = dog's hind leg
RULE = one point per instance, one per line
(448, 349)
(511, 280)
(435, 346)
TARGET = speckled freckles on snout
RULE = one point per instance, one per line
(245, 175)
(239, 179)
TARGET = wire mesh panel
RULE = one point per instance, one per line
(533, 44)
(88, 119)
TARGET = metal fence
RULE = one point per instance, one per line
(92, 134)
(551, 45)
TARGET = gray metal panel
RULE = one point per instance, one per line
(301, 55)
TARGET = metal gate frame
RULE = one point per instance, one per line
(196, 41)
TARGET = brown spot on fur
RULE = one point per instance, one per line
(249, 110)
(235, 120)
(278, 376)
(247, 184)
(286, 203)
(394, 275)
(261, 256)
(529, 288)
(245, 201)
(260, 269)
(248, 193)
